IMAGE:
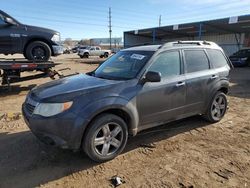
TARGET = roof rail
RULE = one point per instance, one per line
(188, 42)
(194, 42)
(199, 43)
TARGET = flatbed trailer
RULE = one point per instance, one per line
(10, 70)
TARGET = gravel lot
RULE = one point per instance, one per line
(187, 153)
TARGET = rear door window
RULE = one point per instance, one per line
(217, 58)
(196, 60)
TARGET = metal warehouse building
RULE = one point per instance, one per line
(231, 33)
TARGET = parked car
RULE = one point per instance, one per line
(75, 49)
(93, 51)
(66, 50)
(136, 89)
(241, 58)
(35, 43)
(82, 48)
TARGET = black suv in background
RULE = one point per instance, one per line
(135, 89)
(35, 43)
(241, 58)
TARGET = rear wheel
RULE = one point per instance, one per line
(106, 55)
(38, 50)
(217, 108)
(106, 138)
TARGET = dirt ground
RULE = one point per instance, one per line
(188, 153)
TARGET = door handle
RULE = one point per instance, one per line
(214, 77)
(179, 84)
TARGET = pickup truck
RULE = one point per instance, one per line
(35, 43)
(93, 51)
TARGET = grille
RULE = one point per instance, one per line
(30, 105)
(30, 108)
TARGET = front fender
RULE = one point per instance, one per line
(111, 103)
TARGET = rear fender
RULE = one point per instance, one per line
(218, 86)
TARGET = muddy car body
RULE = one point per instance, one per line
(136, 89)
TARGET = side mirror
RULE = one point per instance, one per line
(10, 21)
(153, 76)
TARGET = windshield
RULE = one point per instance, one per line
(123, 65)
(4, 15)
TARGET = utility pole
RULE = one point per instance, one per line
(160, 21)
(110, 28)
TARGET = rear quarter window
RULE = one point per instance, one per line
(217, 58)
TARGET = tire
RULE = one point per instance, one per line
(86, 55)
(81, 56)
(38, 50)
(101, 56)
(217, 108)
(106, 55)
(98, 142)
(25, 56)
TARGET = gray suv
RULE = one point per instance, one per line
(135, 89)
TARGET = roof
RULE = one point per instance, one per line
(236, 24)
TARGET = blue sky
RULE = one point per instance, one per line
(79, 19)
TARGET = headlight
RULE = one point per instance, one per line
(56, 38)
(51, 109)
(243, 59)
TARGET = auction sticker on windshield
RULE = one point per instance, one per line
(137, 56)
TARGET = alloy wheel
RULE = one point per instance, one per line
(38, 53)
(108, 139)
(218, 107)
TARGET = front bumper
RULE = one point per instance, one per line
(57, 49)
(63, 130)
(80, 53)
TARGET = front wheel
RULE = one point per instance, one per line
(105, 138)
(86, 55)
(38, 50)
(217, 108)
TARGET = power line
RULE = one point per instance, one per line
(197, 12)
(71, 22)
(89, 7)
(62, 15)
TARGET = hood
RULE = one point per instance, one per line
(73, 86)
(40, 29)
